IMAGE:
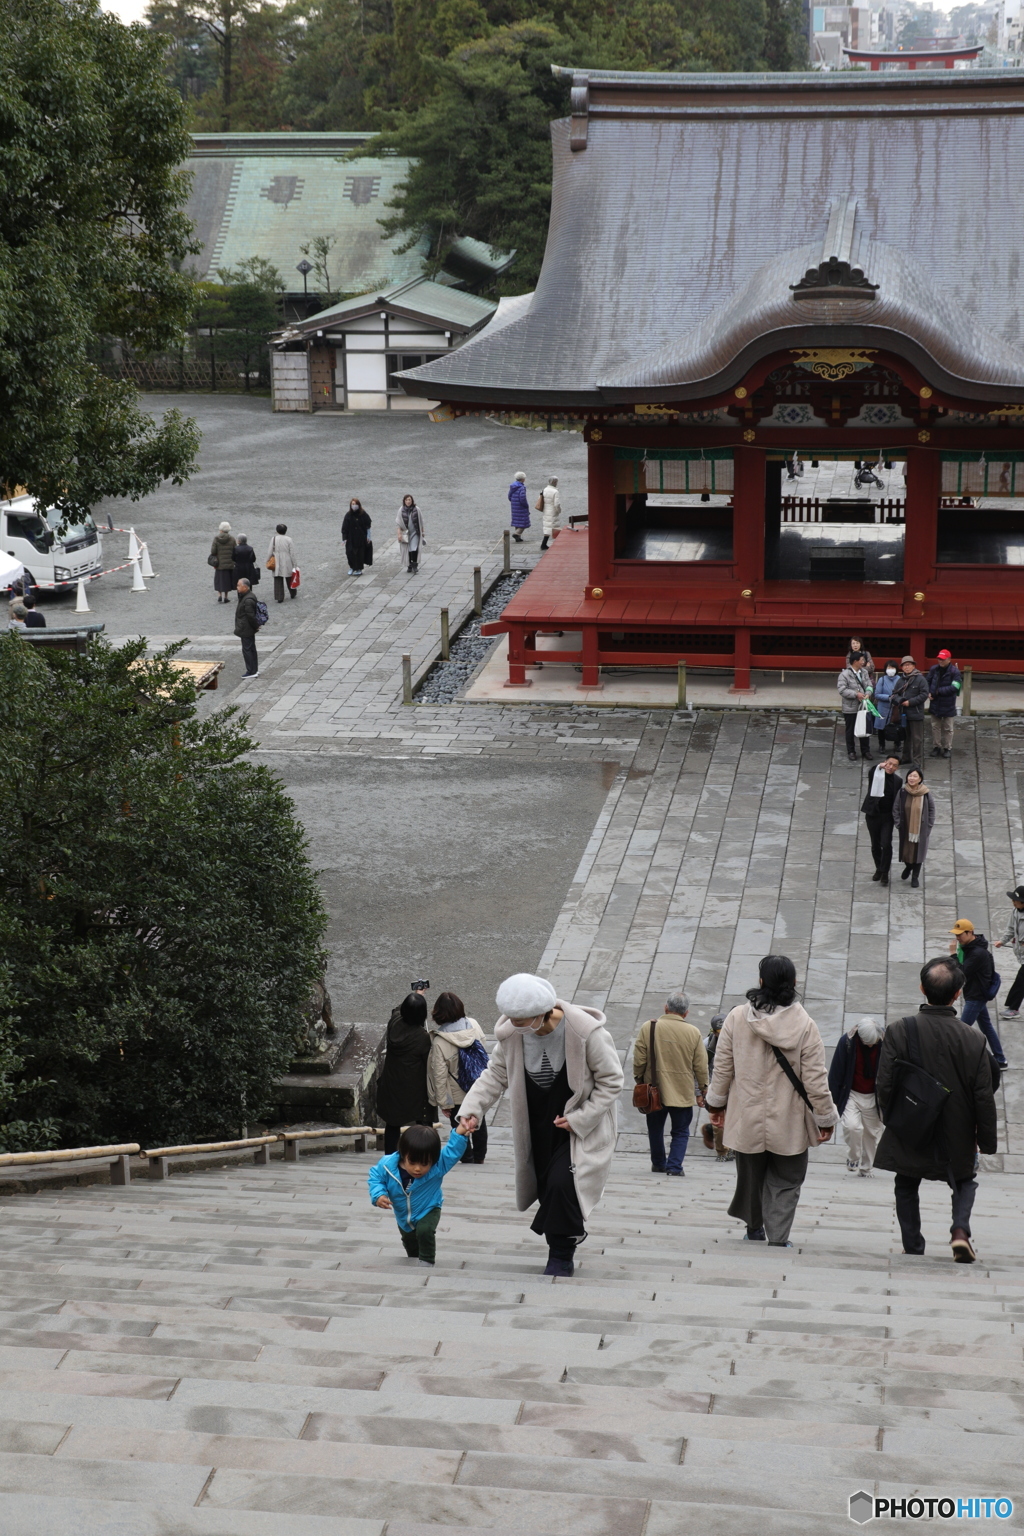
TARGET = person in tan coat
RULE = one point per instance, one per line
(679, 1060)
(451, 1032)
(563, 1076)
(770, 1122)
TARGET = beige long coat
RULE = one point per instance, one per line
(763, 1111)
(443, 1086)
(595, 1078)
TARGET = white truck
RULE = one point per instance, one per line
(54, 561)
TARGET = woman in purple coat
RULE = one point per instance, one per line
(520, 506)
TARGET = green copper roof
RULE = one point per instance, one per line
(268, 194)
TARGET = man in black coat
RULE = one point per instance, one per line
(33, 619)
(877, 808)
(958, 1058)
(907, 706)
(246, 627)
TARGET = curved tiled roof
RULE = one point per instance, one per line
(685, 209)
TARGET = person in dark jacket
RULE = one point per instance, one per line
(402, 1085)
(958, 1059)
(913, 815)
(944, 685)
(876, 807)
(1014, 936)
(906, 708)
(222, 558)
(245, 562)
(33, 619)
(886, 730)
(851, 1082)
(975, 960)
(246, 627)
(712, 1134)
(355, 530)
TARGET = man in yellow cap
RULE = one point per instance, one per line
(980, 981)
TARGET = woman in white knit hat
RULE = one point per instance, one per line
(563, 1076)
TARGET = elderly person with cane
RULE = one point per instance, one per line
(563, 1076)
(770, 1091)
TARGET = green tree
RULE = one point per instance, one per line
(785, 35)
(92, 237)
(253, 311)
(319, 252)
(160, 925)
(190, 59)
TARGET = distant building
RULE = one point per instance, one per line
(346, 357)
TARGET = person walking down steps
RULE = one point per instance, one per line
(770, 1091)
(411, 534)
(561, 1070)
(550, 506)
(520, 506)
(851, 1081)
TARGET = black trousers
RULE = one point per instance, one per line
(1015, 996)
(477, 1149)
(249, 653)
(392, 1133)
(279, 589)
(908, 1209)
(850, 722)
(880, 830)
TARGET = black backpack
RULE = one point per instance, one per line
(918, 1099)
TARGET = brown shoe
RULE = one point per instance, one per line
(708, 1133)
(960, 1243)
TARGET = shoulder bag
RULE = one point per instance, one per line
(211, 559)
(646, 1096)
(797, 1084)
(918, 1099)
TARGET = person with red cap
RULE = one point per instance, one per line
(944, 684)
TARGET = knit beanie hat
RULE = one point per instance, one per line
(525, 997)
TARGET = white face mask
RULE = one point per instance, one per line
(535, 1024)
(890, 671)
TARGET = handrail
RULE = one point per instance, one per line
(211, 1146)
(336, 1130)
(66, 1155)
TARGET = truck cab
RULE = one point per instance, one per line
(52, 559)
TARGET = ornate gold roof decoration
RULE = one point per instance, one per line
(833, 363)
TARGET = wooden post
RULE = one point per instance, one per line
(517, 677)
(921, 511)
(445, 646)
(748, 516)
(506, 563)
(591, 677)
(741, 663)
(966, 695)
(601, 513)
(681, 692)
(478, 591)
(406, 679)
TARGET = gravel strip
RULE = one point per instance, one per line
(446, 679)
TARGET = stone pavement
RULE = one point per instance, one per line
(247, 1352)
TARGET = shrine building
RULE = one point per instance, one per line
(747, 277)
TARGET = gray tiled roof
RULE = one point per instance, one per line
(696, 202)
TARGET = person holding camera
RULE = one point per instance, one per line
(402, 1097)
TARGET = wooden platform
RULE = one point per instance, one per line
(788, 625)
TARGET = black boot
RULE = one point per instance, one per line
(543, 543)
(906, 872)
(915, 879)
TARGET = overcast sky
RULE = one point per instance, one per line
(128, 10)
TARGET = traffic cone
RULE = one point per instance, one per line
(82, 605)
(138, 585)
(147, 564)
(134, 544)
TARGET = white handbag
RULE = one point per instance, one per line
(863, 725)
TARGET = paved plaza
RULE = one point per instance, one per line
(243, 1351)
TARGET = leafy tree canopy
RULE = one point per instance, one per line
(160, 925)
(92, 233)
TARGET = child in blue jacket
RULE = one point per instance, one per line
(408, 1182)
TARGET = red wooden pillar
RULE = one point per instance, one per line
(748, 550)
(591, 677)
(748, 516)
(601, 509)
(921, 530)
(517, 677)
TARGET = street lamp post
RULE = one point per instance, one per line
(305, 267)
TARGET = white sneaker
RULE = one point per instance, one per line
(1010, 1013)
(864, 1173)
(852, 1167)
(247, 675)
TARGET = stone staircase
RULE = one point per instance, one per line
(243, 1351)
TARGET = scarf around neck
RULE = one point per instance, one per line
(916, 810)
